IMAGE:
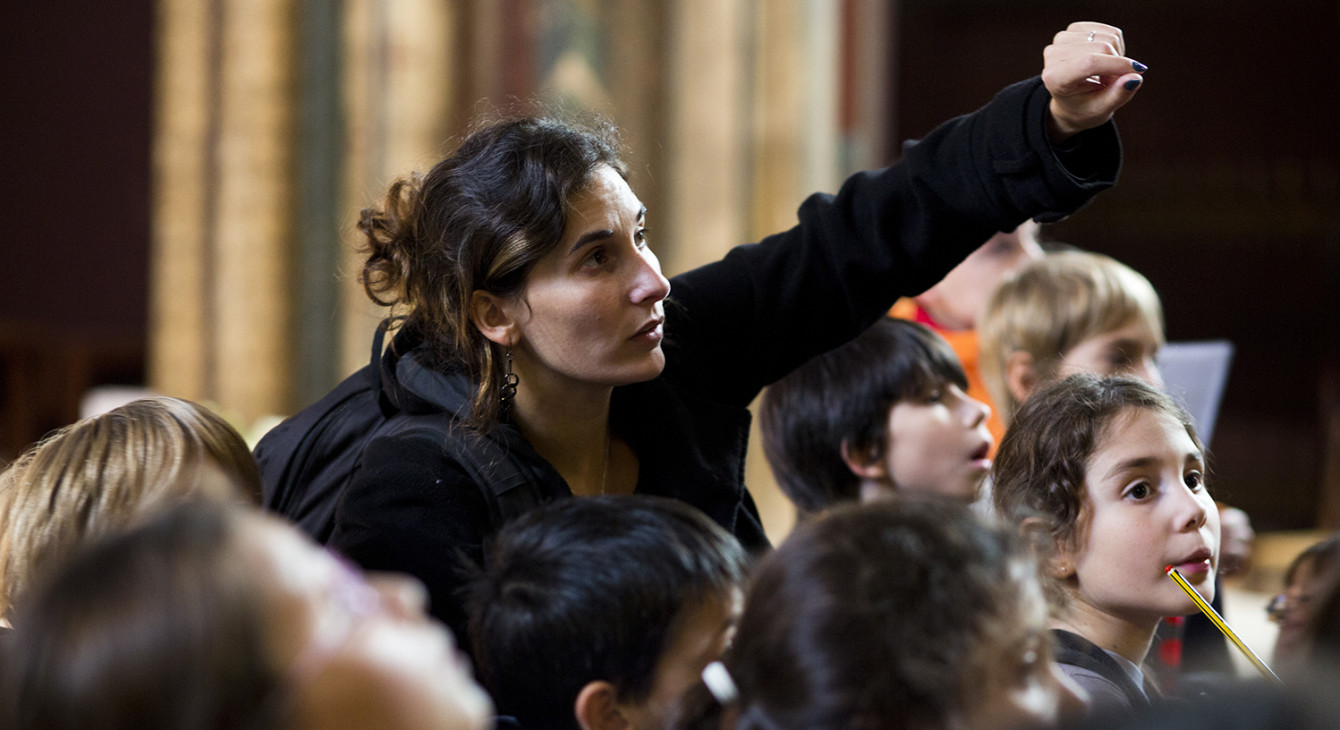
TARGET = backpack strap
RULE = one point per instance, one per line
(505, 486)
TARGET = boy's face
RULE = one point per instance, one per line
(938, 443)
(1128, 350)
(701, 634)
(1020, 685)
(1146, 507)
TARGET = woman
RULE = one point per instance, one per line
(211, 617)
(537, 314)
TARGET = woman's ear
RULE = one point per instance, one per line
(597, 707)
(1020, 375)
(864, 463)
(492, 319)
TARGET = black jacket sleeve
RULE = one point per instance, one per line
(743, 322)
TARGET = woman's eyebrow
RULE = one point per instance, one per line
(598, 235)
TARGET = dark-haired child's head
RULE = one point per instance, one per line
(214, 616)
(909, 613)
(1109, 476)
(602, 610)
(885, 412)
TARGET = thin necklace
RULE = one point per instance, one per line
(604, 472)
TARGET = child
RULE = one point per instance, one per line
(1069, 312)
(598, 612)
(909, 613)
(103, 473)
(1305, 582)
(883, 414)
(216, 616)
(1108, 476)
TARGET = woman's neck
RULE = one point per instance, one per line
(1129, 638)
(570, 429)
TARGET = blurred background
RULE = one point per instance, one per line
(180, 178)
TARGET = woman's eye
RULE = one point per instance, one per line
(1194, 480)
(597, 257)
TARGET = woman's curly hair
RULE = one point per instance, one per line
(478, 221)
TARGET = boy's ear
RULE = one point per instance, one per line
(864, 463)
(1020, 375)
(597, 707)
(492, 319)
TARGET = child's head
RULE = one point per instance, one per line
(602, 609)
(1069, 312)
(104, 472)
(909, 613)
(1109, 475)
(1305, 581)
(886, 411)
(208, 615)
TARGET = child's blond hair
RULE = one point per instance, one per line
(1054, 304)
(102, 473)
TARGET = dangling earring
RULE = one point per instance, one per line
(509, 380)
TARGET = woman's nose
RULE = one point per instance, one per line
(649, 285)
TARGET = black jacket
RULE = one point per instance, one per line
(734, 326)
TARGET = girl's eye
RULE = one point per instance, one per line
(935, 396)
(1140, 491)
(1194, 479)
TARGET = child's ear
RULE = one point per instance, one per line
(1057, 556)
(597, 707)
(864, 463)
(1020, 375)
(492, 319)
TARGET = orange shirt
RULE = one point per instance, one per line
(964, 343)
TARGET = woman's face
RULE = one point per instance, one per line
(1146, 507)
(592, 310)
(358, 652)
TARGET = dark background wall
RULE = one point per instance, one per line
(75, 110)
(1229, 201)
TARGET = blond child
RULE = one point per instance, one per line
(105, 472)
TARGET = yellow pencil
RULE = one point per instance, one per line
(1218, 621)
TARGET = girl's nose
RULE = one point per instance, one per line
(402, 596)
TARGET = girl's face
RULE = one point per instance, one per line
(1297, 612)
(592, 311)
(1127, 350)
(358, 652)
(939, 443)
(1146, 507)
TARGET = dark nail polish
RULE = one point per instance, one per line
(1132, 85)
(1139, 67)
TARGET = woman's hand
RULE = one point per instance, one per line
(1089, 77)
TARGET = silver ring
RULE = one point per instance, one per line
(1091, 36)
